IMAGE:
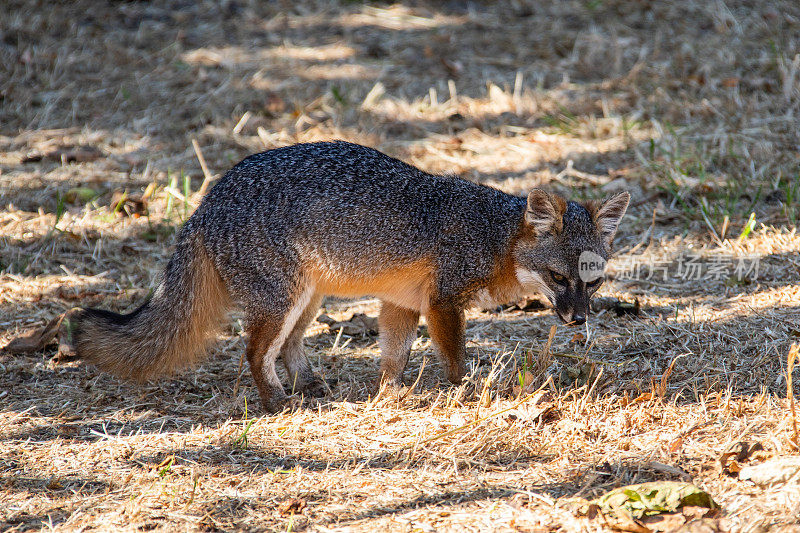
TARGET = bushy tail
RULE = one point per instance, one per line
(169, 331)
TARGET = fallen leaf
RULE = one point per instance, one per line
(733, 468)
(644, 397)
(578, 338)
(647, 499)
(676, 445)
(124, 204)
(773, 471)
(34, 340)
(578, 375)
(737, 453)
(663, 522)
(291, 506)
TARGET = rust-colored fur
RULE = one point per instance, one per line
(168, 332)
(407, 284)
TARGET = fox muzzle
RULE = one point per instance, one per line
(573, 307)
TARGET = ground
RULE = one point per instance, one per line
(694, 107)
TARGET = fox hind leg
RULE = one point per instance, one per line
(301, 376)
(397, 332)
(268, 332)
(446, 326)
(261, 335)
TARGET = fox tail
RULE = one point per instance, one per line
(169, 331)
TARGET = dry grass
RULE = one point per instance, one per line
(692, 106)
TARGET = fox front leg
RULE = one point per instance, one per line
(446, 326)
(398, 329)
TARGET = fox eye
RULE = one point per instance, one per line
(558, 278)
(595, 283)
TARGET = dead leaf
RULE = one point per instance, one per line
(578, 375)
(773, 471)
(626, 507)
(580, 507)
(676, 445)
(535, 408)
(524, 381)
(737, 453)
(733, 468)
(124, 204)
(625, 523)
(578, 338)
(35, 340)
(291, 506)
(644, 397)
(664, 522)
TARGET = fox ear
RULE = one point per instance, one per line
(545, 212)
(608, 215)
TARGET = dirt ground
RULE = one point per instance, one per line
(692, 106)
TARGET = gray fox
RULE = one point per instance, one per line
(286, 227)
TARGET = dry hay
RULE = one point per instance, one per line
(693, 106)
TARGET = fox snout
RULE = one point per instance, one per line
(573, 306)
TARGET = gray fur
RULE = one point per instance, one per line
(349, 204)
(350, 212)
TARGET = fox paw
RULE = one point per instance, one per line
(316, 389)
(290, 403)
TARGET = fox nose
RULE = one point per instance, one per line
(578, 319)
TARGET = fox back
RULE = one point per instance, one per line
(350, 213)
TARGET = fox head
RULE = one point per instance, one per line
(563, 249)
